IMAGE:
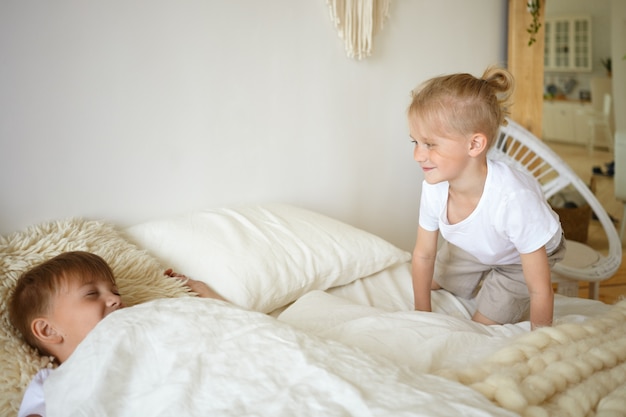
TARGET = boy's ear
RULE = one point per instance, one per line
(478, 144)
(45, 332)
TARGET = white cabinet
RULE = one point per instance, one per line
(566, 121)
(568, 44)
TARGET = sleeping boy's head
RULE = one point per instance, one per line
(56, 303)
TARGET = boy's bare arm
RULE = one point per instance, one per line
(199, 287)
(537, 275)
(422, 268)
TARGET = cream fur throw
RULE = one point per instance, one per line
(573, 369)
(139, 277)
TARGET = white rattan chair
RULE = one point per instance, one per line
(519, 147)
(619, 177)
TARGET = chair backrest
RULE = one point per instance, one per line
(599, 87)
(606, 110)
(520, 148)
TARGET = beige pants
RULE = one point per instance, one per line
(500, 290)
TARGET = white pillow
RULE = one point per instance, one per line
(264, 257)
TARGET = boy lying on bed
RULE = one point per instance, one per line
(57, 303)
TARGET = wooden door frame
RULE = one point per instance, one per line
(525, 62)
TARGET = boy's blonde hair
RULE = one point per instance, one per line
(36, 287)
(463, 104)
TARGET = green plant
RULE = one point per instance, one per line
(534, 8)
(606, 63)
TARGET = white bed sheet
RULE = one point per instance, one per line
(391, 289)
(188, 356)
(375, 315)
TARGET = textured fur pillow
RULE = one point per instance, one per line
(139, 277)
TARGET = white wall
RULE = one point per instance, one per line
(127, 110)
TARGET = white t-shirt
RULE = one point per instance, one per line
(33, 401)
(512, 217)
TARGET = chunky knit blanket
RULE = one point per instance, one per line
(572, 369)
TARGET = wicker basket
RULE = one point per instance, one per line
(575, 221)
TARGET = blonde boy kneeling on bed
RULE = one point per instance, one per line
(57, 303)
(501, 238)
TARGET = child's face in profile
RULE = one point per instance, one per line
(442, 158)
(78, 307)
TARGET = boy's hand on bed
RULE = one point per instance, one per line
(199, 287)
(171, 273)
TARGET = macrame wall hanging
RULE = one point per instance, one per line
(357, 21)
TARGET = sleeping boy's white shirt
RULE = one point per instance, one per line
(33, 401)
(512, 217)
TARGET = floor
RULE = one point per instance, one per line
(579, 159)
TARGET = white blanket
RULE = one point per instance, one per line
(424, 341)
(575, 368)
(199, 357)
(427, 342)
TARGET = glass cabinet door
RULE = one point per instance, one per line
(582, 42)
(561, 44)
(567, 44)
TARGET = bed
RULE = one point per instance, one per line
(319, 323)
